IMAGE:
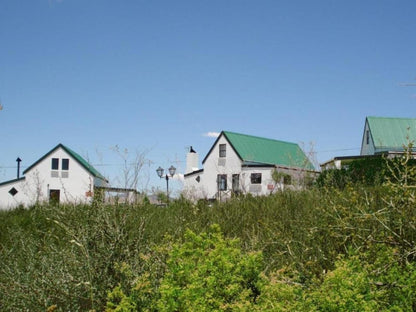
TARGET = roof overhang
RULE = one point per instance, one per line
(193, 172)
(13, 181)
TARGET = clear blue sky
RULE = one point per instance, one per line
(158, 75)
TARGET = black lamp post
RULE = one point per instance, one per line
(160, 172)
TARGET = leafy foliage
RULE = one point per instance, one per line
(351, 247)
(208, 273)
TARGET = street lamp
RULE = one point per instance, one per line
(160, 172)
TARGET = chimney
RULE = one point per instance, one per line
(192, 160)
(18, 167)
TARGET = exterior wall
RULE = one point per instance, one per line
(8, 201)
(367, 146)
(192, 189)
(40, 180)
(266, 186)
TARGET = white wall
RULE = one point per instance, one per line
(8, 201)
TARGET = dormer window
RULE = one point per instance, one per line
(223, 150)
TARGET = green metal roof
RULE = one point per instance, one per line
(257, 150)
(392, 133)
(74, 155)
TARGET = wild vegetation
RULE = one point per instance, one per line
(349, 248)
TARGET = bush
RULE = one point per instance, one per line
(204, 273)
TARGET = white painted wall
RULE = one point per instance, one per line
(7, 201)
(39, 181)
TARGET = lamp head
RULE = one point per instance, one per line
(172, 171)
(160, 171)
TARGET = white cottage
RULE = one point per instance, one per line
(61, 175)
(382, 136)
(239, 163)
(387, 135)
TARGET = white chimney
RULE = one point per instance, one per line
(192, 160)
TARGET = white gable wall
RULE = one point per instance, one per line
(213, 166)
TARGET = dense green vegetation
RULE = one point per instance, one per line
(322, 249)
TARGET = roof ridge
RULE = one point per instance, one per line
(403, 118)
(259, 137)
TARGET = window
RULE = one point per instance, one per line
(367, 134)
(236, 182)
(55, 163)
(255, 178)
(65, 164)
(223, 150)
(287, 179)
(13, 191)
(222, 182)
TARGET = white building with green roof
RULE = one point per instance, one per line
(61, 175)
(386, 136)
(240, 163)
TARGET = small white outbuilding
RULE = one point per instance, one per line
(61, 175)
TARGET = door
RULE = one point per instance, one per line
(54, 196)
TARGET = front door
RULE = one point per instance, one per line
(54, 196)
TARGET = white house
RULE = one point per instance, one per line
(239, 163)
(387, 135)
(61, 175)
(381, 136)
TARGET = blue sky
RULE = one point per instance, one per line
(157, 76)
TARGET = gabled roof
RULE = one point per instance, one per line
(257, 150)
(391, 133)
(74, 155)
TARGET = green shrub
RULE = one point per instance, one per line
(203, 273)
(209, 273)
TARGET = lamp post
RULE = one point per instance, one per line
(160, 172)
